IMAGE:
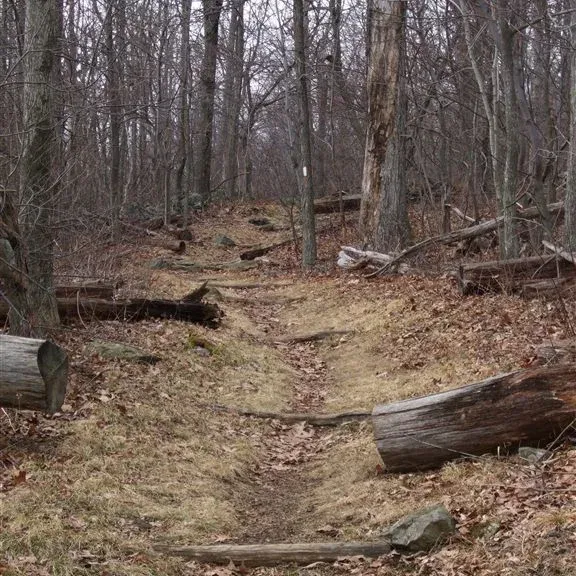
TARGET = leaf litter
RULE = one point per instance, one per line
(136, 457)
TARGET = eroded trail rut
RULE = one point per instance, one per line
(275, 509)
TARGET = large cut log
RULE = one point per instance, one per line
(510, 275)
(133, 310)
(189, 266)
(529, 407)
(274, 554)
(466, 233)
(33, 374)
(346, 203)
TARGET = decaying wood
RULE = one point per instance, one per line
(274, 554)
(105, 291)
(311, 336)
(258, 251)
(198, 294)
(527, 407)
(189, 266)
(547, 287)
(33, 374)
(511, 275)
(346, 203)
(560, 251)
(556, 352)
(465, 233)
(459, 213)
(353, 259)
(294, 417)
(132, 310)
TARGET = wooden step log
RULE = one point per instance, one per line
(274, 554)
(33, 374)
(497, 415)
(135, 309)
(510, 275)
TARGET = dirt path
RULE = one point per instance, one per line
(274, 510)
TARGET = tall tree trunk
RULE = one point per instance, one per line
(185, 150)
(202, 173)
(383, 215)
(570, 203)
(304, 139)
(233, 98)
(115, 107)
(38, 180)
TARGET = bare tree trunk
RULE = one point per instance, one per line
(570, 202)
(115, 107)
(185, 150)
(383, 215)
(233, 98)
(202, 173)
(38, 181)
(304, 139)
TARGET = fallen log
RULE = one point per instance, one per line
(33, 374)
(295, 417)
(345, 203)
(189, 266)
(258, 251)
(569, 256)
(132, 310)
(105, 291)
(351, 258)
(466, 233)
(527, 407)
(311, 336)
(510, 275)
(546, 287)
(274, 554)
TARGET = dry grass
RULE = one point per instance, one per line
(138, 457)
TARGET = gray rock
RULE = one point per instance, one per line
(222, 240)
(120, 351)
(533, 455)
(422, 530)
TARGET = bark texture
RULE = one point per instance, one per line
(527, 407)
(33, 374)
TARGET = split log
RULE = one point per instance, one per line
(198, 294)
(466, 233)
(346, 203)
(251, 555)
(527, 407)
(133, 310)
(510, 275)
(33, 374)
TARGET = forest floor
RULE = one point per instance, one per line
(143, 455)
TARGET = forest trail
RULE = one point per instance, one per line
(143, 455)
